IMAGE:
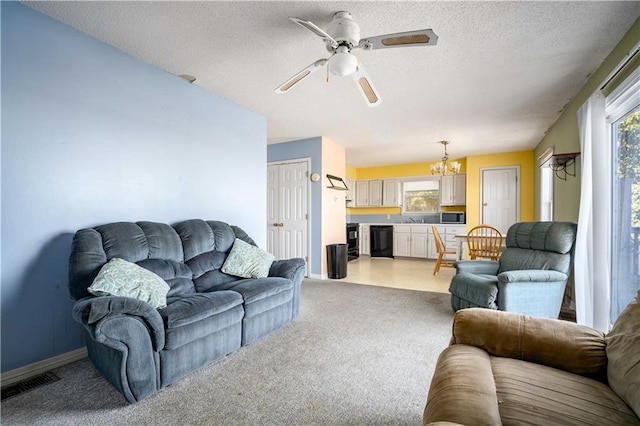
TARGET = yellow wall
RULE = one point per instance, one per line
(471, 166)
(523, 159)
(389, 172)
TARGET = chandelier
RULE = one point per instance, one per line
(445, 166)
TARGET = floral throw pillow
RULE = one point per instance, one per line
(247, 261)
(121, 278)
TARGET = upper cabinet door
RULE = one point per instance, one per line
(375, 193)
(460, 189)
(391, 193)
(446, 190)
(362, 193)
(453, 190)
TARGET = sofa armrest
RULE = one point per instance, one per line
(531, 275)
(462, 389)
(292, 269)
(555, 343)
(92, 312)
(488, 267)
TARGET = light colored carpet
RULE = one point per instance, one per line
(357, 354)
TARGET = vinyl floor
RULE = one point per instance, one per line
(404, 273)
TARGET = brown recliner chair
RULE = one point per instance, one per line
(509, 368)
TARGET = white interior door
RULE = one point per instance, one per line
(500, 197)
(287, 210)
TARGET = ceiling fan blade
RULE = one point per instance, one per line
(410, 38)
(366, 87)
(287, 85)
(317, 31)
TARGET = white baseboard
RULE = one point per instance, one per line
(19, 374)
(319, 276)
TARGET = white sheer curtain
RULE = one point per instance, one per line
(592, 255)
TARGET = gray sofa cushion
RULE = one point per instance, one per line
(125, 240)
(176, 274)
(198, 315)
(538, 245)
(546, 236)
(207, 273)
(163, 242)
(263, 294)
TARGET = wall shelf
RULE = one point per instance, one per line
(564, 165)
(337, 183)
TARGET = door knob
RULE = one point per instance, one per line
(484, 204)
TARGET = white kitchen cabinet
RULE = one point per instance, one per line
(410, 240)
(375, 193)
(368, 193)
(362, 193)
(350, 193)
(402, 240)
(364, 238)
(447, 233)
(453, 190)
(390, 193)
(419, 241)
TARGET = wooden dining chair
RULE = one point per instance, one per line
(442, 250)
(484, 241)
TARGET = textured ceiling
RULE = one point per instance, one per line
(496, 81)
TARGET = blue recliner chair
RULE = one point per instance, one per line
(530, 276)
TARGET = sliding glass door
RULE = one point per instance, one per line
(625, 247)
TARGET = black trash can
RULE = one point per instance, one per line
(337, 257)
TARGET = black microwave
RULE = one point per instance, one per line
(452, 217)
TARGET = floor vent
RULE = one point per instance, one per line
(29, 384)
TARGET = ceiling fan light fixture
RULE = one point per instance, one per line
(343, 63)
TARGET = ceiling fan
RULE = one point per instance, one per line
(343, 35)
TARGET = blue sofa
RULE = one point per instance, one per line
(209, 314)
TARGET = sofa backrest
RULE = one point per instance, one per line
(539, 245)
(187, 255)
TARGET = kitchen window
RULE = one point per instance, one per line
(421, 196)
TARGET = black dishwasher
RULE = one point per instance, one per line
(381, 240)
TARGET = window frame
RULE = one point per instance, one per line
(620, 103)
(402, 181)
(546, 209)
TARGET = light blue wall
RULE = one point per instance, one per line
(306, 148)
(91, 135)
